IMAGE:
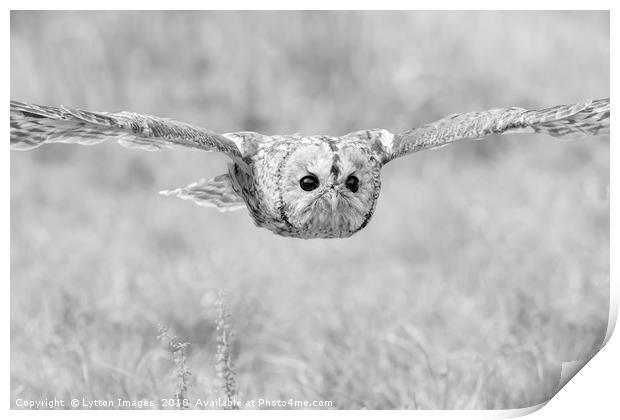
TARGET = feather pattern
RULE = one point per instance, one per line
(34, 125)
(587, 118)
(217, 192)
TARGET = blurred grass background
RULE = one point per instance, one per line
(486, 264)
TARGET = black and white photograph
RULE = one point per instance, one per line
(306, 210)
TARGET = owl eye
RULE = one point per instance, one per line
(309, 183)
(352, 183)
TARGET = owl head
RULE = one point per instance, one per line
(328, 187)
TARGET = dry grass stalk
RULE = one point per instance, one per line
(223, 357)
(178, 351)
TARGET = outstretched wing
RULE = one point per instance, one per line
(588, 118)
(34, 125)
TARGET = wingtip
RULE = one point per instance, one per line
(178, 191)
(168, 193)
(18, 105)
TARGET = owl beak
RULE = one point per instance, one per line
(333, 199)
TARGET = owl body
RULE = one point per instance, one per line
(342, 177)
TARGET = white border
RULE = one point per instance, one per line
(592, 393)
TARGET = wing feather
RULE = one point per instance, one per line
(34, 125)
(217, 192)
(587, 118)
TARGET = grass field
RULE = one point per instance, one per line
(486, 264)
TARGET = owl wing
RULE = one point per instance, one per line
(588, 118)
(34, 125)
(217, 192)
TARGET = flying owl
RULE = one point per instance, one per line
(294, 185)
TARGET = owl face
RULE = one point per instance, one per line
(328, 188)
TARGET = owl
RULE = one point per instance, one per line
(294, 185)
